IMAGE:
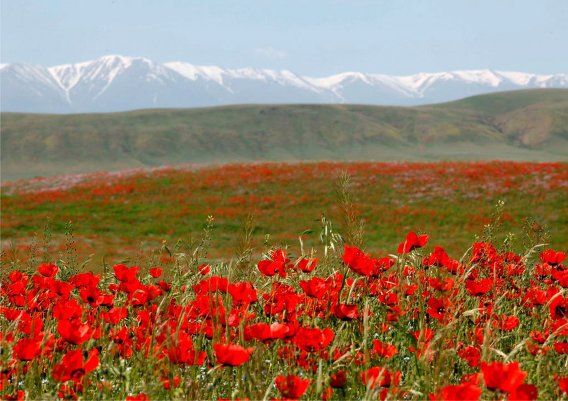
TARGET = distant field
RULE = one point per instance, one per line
(519, 125)
(119, 214)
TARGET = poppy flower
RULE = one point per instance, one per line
(552, 257)
(562, 383)
(559, 308)
(67, 309)
(379, 377)
(277, 264)
(561, 347)
(231, 354)
(346, 312)
(26, 349)
(156, 272)
(74, 332)
(139, 397)
(124, 273)
(204, 269)
(502, 376)
(525, 392)
(316, 287)
(48, 269)
(458, 392)
(265, 332)
(242, 293)
(182, 352)
(438, 258)
(211, 285)
(338, 379)
(74, 365)
(307, 265)
(384, 350)
(292, 387)
(358, 261)
(478, 288)
(85, 280)
(439, 308)
(441, 284)
(311, 340)
(412, 241)
(472, 355)
(506, 323)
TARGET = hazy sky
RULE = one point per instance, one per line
(311, 37)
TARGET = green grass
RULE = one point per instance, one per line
(520, 125)
(450, 201)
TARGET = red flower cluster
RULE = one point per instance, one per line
(348, 333)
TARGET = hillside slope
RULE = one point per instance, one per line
(522, 125)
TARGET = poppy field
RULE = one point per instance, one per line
(441, 281)
(119, 216)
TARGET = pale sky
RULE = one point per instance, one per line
(311, 37)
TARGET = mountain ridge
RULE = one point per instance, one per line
(118, 83)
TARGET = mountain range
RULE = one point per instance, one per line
(117, 83)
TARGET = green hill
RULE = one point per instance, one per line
(519, 125)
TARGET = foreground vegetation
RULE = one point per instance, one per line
(332, 322)
(327, 315)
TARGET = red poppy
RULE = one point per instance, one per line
(307, 265)
(73, 367)
(182, 352)
(338, 379)
(242, 293)
(562, 383)
(26, 349)
(472, 355)
(440, 308)
(67, 309)
(478, 288)
(211, 285)
(346, 312)
(311, 340)
(358, 261)
(384, 350)
(506, 323)
(48, 269)
(124, 273)
(558, 308)
(561, 347)
(292, 387)
(156, 272)
(277, 264)
(265, 332)
(502, 376)
(315, 287)
(380, 377)
(139, 397)
(552, 257)
(231, 354)
(204, 269)
(525, 392)
(438, 258)
(458, 392)
(412, 241)
(74, 331)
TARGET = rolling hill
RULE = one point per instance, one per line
(517, 125)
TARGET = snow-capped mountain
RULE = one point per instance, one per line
(117, 83)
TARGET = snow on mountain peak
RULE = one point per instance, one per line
(182, 84)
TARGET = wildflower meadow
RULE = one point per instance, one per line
(331, 314)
